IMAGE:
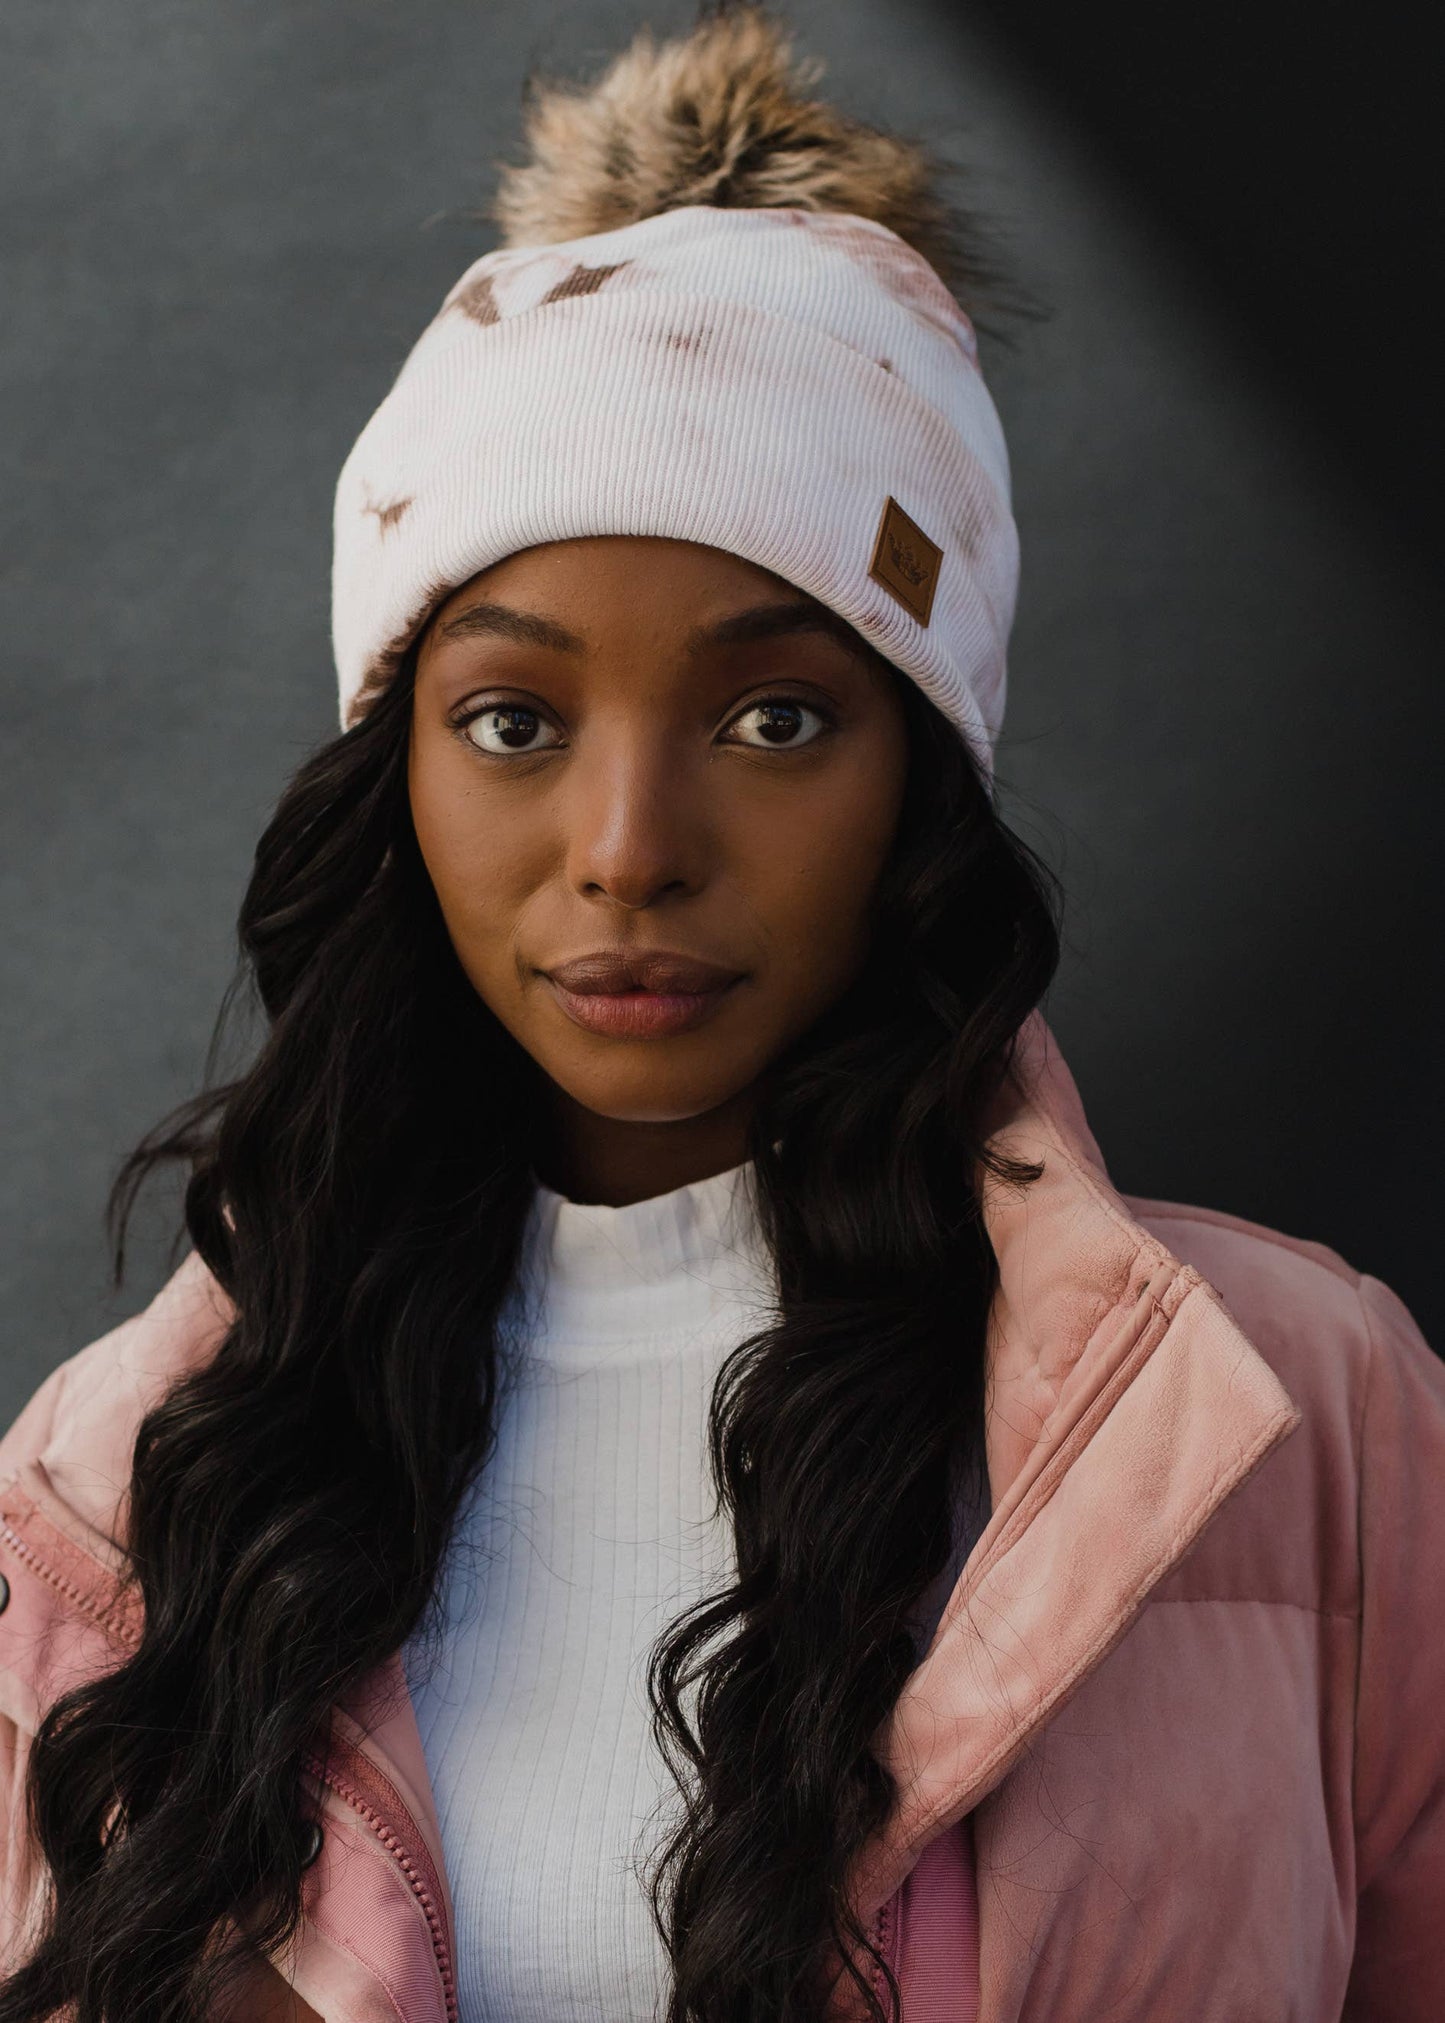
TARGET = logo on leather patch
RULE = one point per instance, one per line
(905, 561)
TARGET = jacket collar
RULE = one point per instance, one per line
(1123, 1406)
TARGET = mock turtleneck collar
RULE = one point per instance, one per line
(650, 1269)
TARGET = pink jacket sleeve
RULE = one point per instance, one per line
(24, 1883)
(1399, 1965)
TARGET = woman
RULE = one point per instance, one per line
(654, 1102)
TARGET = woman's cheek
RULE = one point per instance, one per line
(485, 866)
(831, 862)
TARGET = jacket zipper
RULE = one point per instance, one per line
(881, 1933)
(420, 1876)
(108, 1619)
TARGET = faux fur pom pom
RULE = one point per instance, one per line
(724, 116)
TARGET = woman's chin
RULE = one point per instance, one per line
(649, 1091)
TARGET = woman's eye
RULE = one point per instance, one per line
(511, 727)
(777, 722)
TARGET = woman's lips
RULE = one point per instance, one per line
(639, 1014)
(639, 996)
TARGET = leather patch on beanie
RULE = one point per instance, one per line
(905, 561)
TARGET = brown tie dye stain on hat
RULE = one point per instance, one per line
(477, 299)
(583, 281)
(388, 515)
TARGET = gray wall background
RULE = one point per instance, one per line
(223, 228)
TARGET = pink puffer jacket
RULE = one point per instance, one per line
(1177, 1749)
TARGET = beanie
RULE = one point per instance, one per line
(794, 385)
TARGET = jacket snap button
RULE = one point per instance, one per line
(4, 1594)
(311, 1842)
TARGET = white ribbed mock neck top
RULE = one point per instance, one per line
(592, 1526)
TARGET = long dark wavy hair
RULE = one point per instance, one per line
(359, 1194)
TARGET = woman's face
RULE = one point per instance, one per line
(654, 786)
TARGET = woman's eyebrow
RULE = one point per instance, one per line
(527, 626)
(761, 621)
(772, 621)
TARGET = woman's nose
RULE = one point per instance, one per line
(635, 829)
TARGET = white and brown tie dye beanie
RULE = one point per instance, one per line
(710, 319)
